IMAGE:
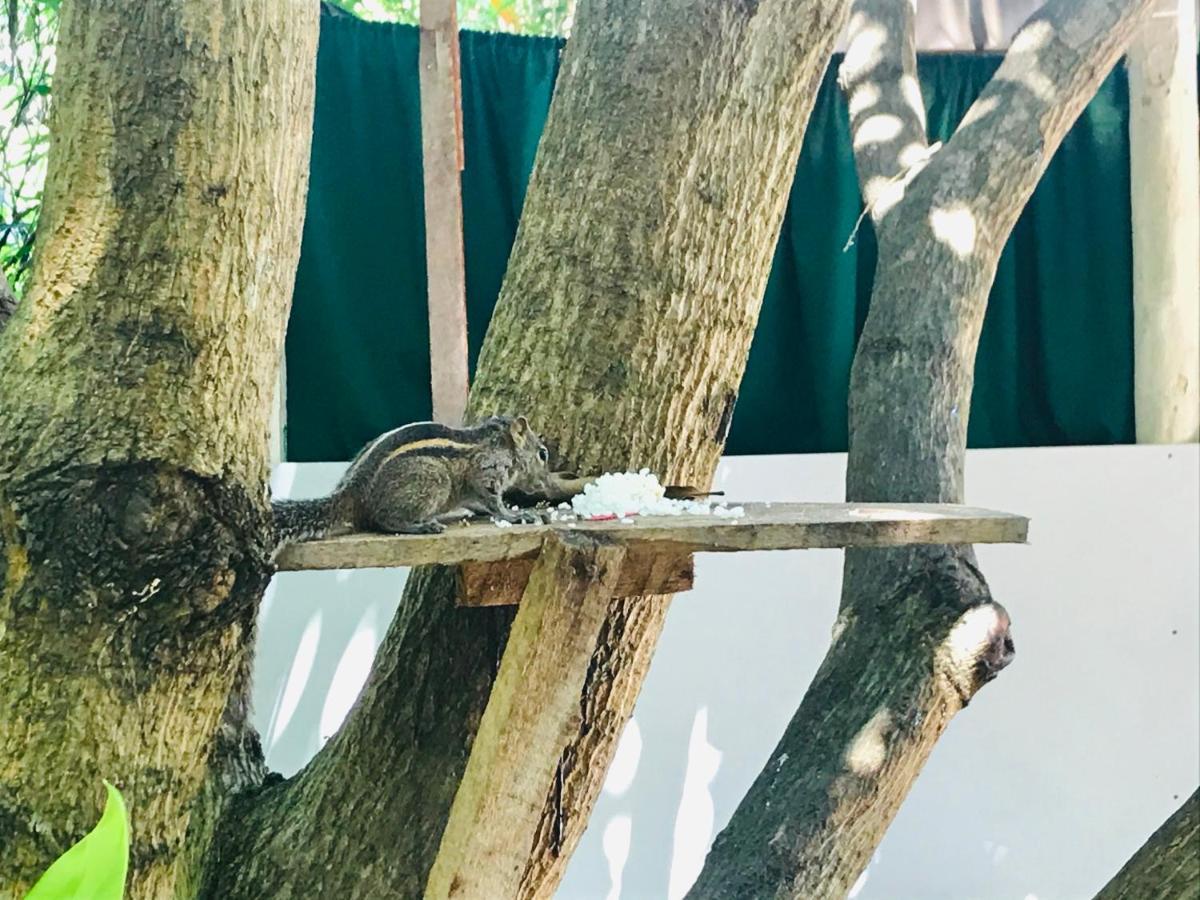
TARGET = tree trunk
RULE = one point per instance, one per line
(622, 332)
(918, 632)
(138, 372)
(8, 302)
(1167, 866)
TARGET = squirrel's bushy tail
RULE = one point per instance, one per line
(305, 520)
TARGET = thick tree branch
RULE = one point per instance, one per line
(955, 217)
(622, 332)
(887, 114)
(1052, 69)
(1167, 866)
(918, 633)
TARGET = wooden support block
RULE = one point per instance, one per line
(532, 714)
(503, 583)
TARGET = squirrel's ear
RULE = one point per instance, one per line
(521, 425)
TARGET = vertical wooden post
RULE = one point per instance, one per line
(1165, 186)
(442, 154)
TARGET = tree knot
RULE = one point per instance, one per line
(977, 649)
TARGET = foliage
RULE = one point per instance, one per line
(95, 867)
(538, 17)
(26, 64)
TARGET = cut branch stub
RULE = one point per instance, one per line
(531, 716)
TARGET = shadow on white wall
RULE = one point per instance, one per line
(1042, 788)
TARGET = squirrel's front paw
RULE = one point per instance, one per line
(422, 528)
(520, 516)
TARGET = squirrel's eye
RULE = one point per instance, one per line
(543, 454)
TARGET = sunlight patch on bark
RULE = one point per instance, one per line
(973, 632)
(955, 227)
(864, 97)
(877, 130)
(882, 194)
(868, 750)
(1022, 65)
(865, 49)
(979, 109)
(910, 88)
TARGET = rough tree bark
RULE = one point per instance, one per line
(1167, 866)
(8, 302)
(138, 372)
(622, 332)
(918, 632)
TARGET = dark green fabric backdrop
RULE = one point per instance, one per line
(1055, 364)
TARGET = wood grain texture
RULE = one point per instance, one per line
(779, 526)
(532, 714)
(442, 156)
(503, 583)
(1164, 191)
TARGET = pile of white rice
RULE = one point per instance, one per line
(622, 495)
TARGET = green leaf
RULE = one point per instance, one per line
(95, 867)
(42, 89)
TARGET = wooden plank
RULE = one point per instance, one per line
(442, 155)
(503, 583)
(1164, 183)
(531, 715)
(779, 526)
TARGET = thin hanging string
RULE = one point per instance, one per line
(905, 178)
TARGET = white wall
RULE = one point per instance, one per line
(1042, 788)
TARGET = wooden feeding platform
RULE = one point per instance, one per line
(564, 576)
(495, 562)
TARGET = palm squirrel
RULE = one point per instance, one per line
(414, 479)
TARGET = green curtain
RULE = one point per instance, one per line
(1055, 362)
